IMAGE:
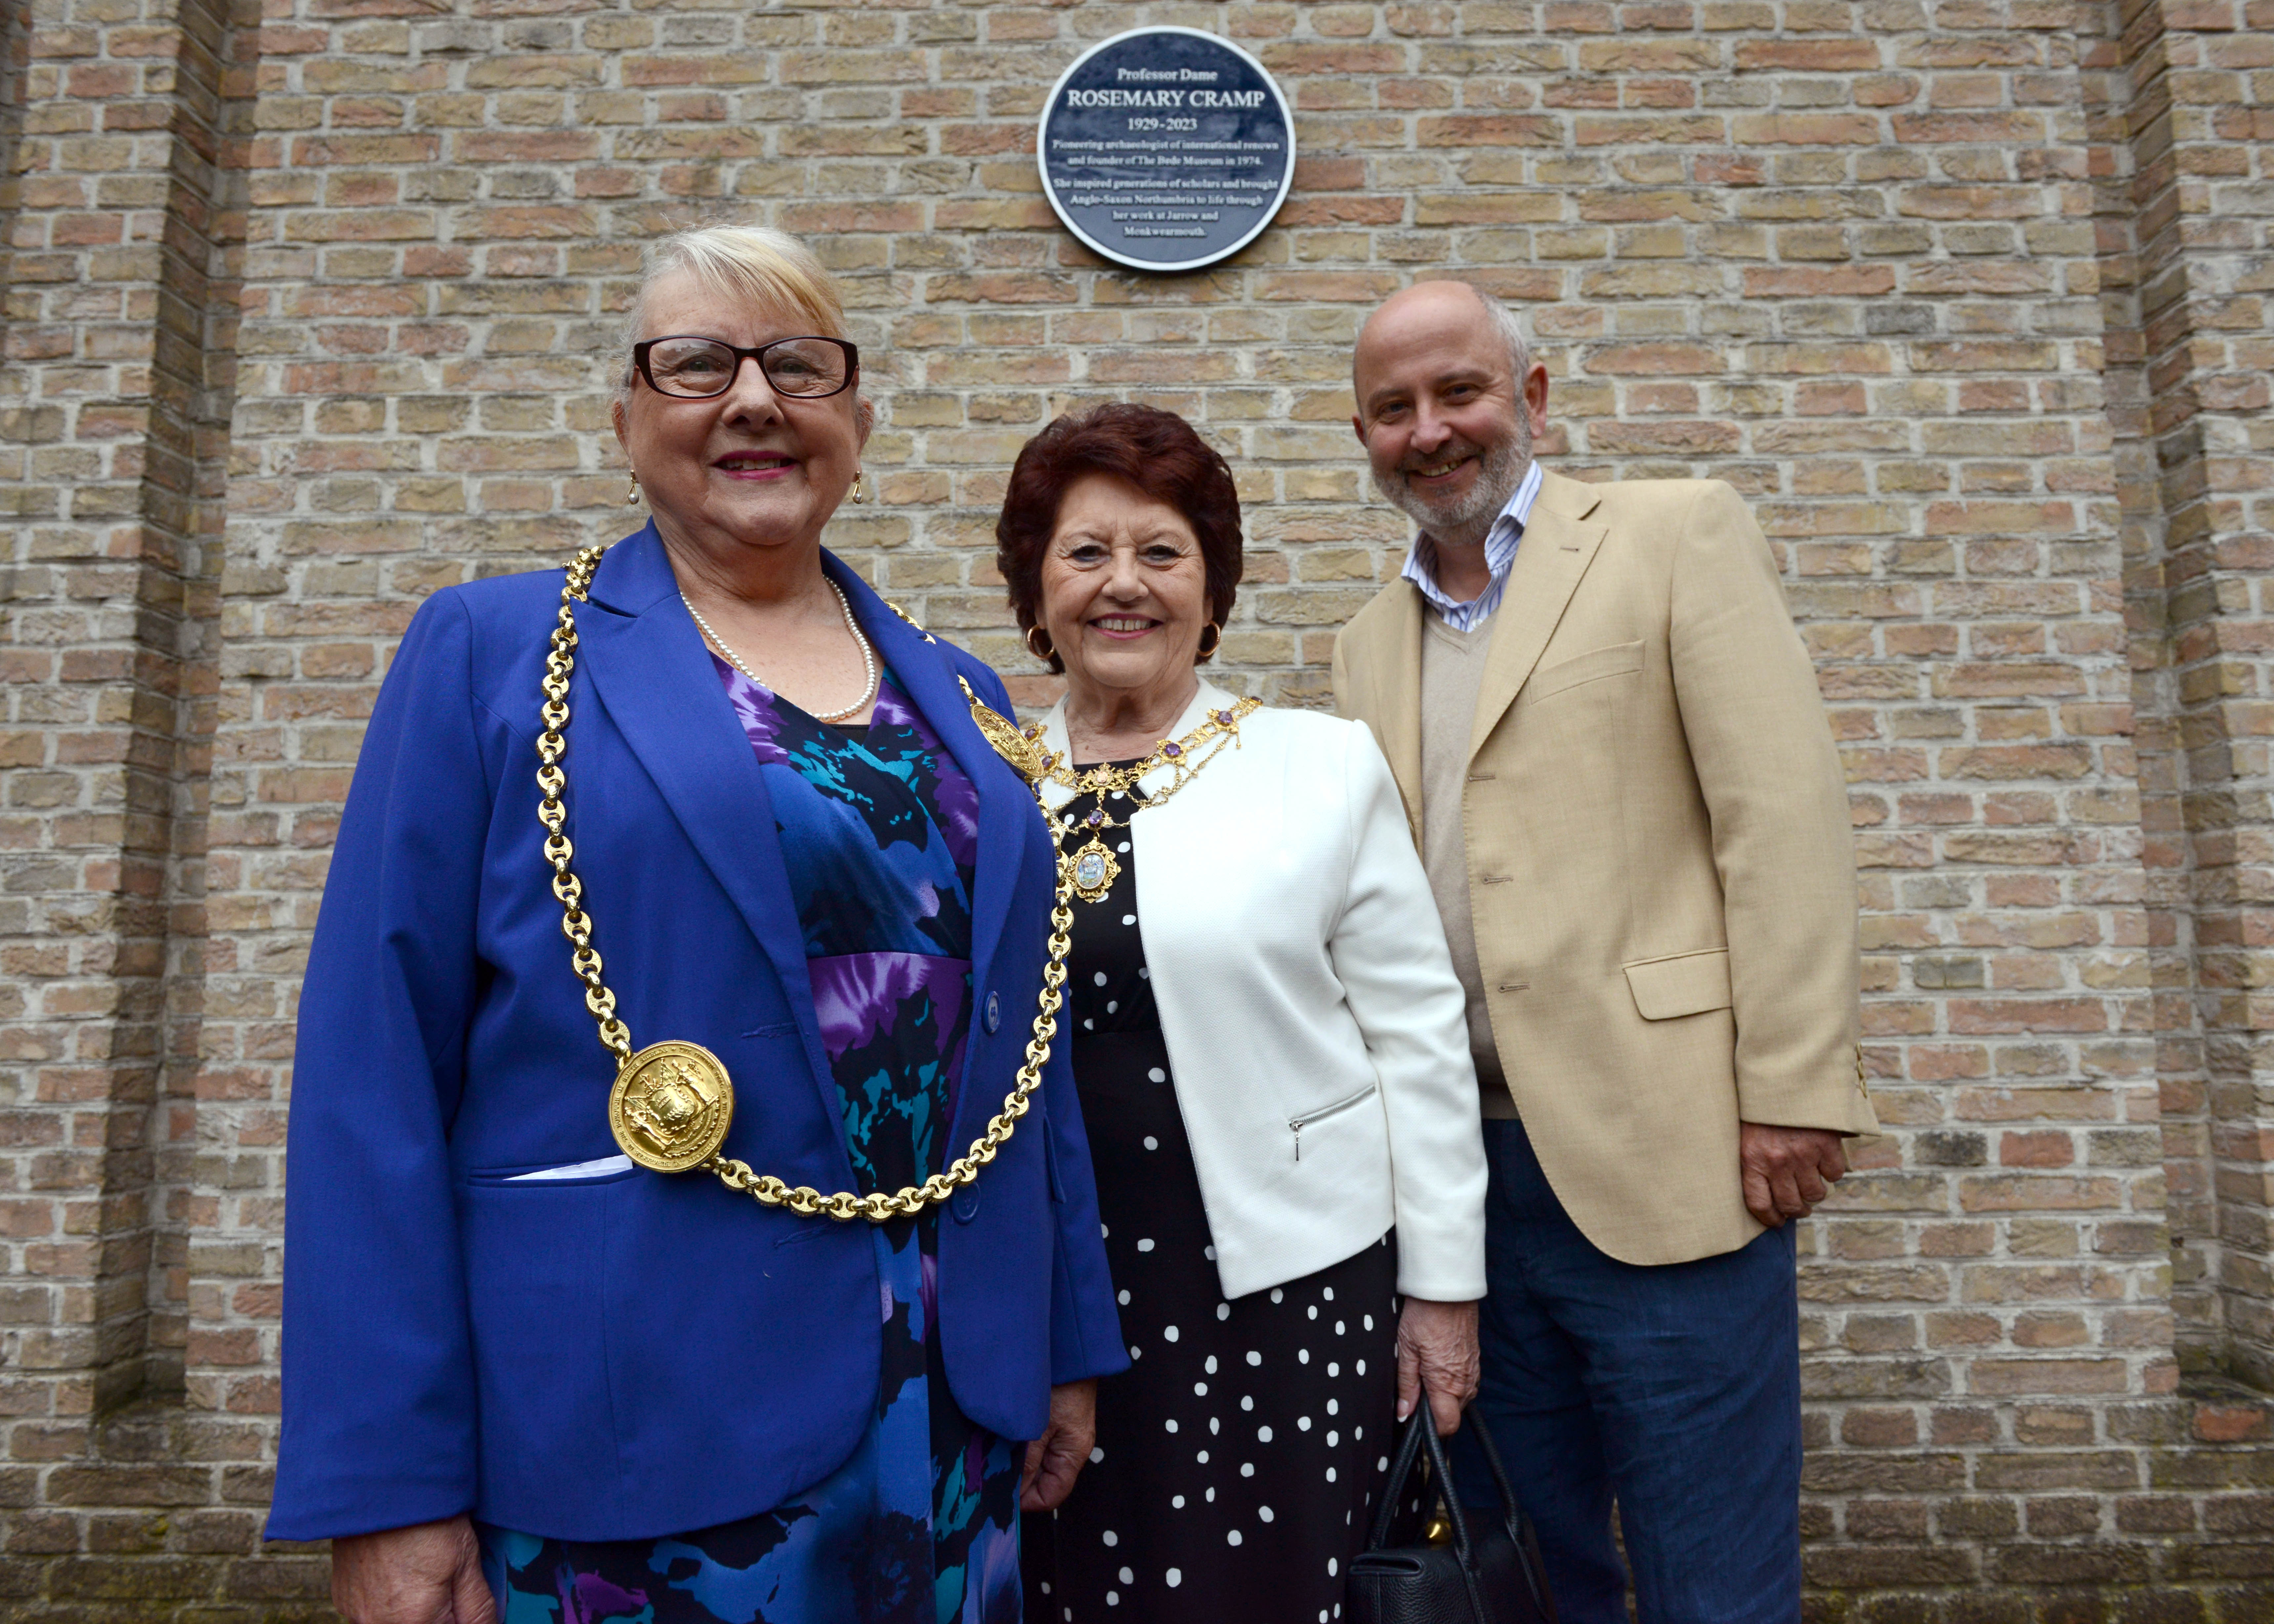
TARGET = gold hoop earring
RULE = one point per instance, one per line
(631, 496)
(1207, 649)
(1048, 648)
(860, 485)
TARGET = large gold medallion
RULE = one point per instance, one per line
(1093, 870)
(671, 1106)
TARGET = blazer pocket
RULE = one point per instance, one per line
(1614, 661)
(1328, 1112)
(1683, 984)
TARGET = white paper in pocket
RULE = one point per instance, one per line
(601, 1169)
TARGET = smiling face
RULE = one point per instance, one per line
(1446, 422)
(1124, 589)
(748, 468)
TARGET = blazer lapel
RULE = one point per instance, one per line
(1391, 656)
(652, 673)
(1555, 550)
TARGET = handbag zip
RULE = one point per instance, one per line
(1298, 1123)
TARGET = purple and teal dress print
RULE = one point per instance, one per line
(879, 833)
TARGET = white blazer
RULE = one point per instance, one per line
(1317, 1035)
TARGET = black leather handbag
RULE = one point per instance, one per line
(1488, 1573)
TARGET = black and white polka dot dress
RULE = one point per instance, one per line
(1237, 1458)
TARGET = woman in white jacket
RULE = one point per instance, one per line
(1271, 1046)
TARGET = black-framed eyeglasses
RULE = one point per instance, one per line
(692, 368)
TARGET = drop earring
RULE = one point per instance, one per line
(860, 485)
(631, 495)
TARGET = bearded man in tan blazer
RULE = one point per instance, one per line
(1616, 764)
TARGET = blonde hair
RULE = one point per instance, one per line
(752, 265)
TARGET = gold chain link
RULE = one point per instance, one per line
(577, 925)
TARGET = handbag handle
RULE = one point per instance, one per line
(1512, 1516)
(1409, 1447)
(1400, 1466)
(1509, 1508)
(1420, 1433)
(1464, 1548)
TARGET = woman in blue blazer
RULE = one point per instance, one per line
(521, 1366)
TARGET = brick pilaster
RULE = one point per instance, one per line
(2200, 128)
(111, 406)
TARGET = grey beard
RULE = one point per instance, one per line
(1504, 470)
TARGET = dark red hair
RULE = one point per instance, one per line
(1157, 452)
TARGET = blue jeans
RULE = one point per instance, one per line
(1675, 1390)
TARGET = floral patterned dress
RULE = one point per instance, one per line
(879, 832)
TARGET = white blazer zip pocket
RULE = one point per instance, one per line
(1296, 1124)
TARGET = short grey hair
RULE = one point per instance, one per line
(1505, 323)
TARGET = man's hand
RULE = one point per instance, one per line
(1056, 1459)
(1787, 1171)
(1437, 1345)
(427, 1574)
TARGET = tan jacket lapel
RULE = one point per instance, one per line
(1555, 553)
(1390, 654)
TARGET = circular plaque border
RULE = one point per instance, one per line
(1042, 166)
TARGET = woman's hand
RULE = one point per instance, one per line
(1437, 1345)
(427, 1574)
(1056, 1459)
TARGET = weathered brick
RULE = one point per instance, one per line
(1974, 314)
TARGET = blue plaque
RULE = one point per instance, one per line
(1166, 149)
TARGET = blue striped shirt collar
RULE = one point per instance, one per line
(1500, 555)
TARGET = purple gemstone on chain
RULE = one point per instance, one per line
(1095, 818)
(1172, 749)
(1224, 717)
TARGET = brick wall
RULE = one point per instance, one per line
(1967, 298)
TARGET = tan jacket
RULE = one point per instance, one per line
(1659, 861)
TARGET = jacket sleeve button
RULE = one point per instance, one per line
(994, 1016)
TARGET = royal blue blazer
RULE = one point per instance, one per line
(635, 1354)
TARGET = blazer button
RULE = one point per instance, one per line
(964, 1204)
(994, 1016)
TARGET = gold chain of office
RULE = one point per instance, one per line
(673, 1102)
(1093, 869)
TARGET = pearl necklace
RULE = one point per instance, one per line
(868, 655)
